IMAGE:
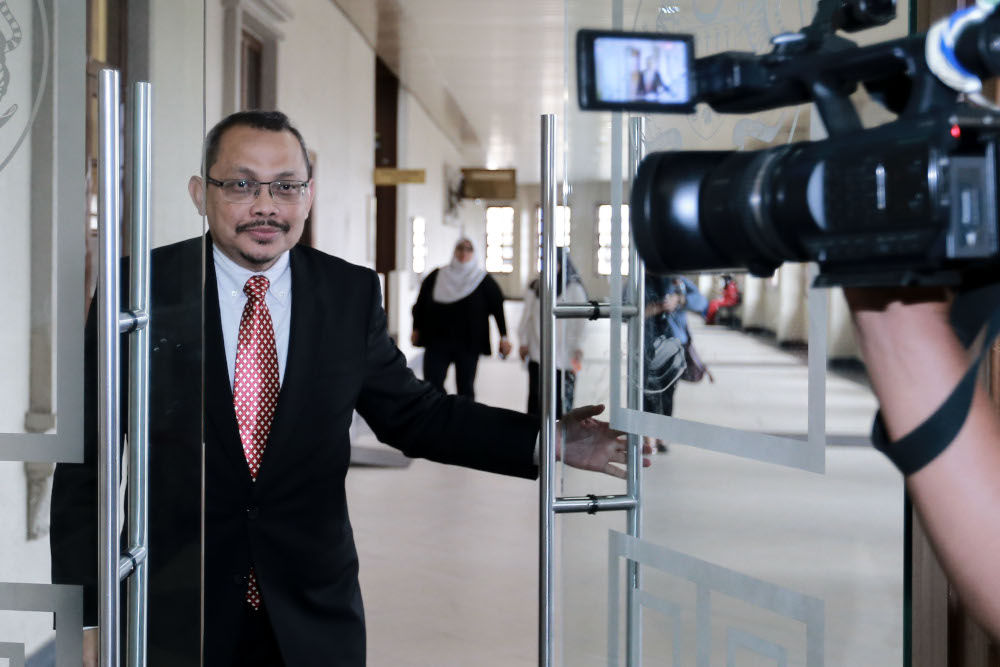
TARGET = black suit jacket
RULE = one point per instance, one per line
(292, 524)
(464, 323)
(655, 86)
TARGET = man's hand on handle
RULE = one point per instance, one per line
(592, 444)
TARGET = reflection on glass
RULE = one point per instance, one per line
(563, 227)
(604, 239)
(668, 347)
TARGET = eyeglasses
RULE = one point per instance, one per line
(246, 190)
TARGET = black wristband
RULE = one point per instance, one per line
(922, 445)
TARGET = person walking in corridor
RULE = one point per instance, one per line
(569, 334)
(451, 319)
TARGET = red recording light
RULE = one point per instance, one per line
(956, 131)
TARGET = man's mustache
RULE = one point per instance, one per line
(254, 224)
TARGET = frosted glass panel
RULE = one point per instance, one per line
(772, 532)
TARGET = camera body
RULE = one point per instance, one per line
(909, 202)
(902, 204)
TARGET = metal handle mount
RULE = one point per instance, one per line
(631, 311)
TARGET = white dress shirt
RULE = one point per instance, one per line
(569, 332)
(231, 277)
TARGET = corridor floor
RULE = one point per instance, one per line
(449, 556)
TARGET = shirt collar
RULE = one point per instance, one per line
(232, 277)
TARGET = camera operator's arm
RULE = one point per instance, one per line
(915, 360)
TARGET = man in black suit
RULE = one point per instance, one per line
(287, 359)
(650, 82)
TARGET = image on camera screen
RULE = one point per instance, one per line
(641, 70)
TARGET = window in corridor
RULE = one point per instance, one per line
(418, 243)
(563, 226)
(500, 239)
(604, 239)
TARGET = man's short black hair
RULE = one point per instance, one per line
(275, 121)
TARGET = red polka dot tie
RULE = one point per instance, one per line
(255, 386)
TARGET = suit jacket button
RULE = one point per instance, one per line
(253, 512)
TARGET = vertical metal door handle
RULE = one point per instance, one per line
(138, 411)
(547, 448)
(636, 386)
(108, 345)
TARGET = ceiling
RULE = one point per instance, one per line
(485, 71)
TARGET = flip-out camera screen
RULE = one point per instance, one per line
(644, 71)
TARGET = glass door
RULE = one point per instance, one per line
(771, 533)
(84, 149)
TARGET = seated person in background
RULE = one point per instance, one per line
(568, 338)
(730, 297)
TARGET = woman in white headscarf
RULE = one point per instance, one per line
(451, 319)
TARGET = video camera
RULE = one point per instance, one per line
(910, 202)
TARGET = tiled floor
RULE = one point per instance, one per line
(449, 556)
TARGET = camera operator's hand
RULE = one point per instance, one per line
(914, 360)
(905, 339)
(669, 304)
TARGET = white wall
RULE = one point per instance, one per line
(791, 324)
(176, 70)
(422, 145)
(326, 85)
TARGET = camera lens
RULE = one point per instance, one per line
(707, 210)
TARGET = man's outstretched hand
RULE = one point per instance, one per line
(591, 444)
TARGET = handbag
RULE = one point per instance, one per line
(696, 369)
(664, 364)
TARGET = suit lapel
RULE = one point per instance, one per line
(303, 340)
(218, 392)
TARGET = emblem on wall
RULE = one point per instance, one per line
(21, 79)
(722, 25)
(6, 46)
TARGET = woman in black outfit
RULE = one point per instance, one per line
(451, 319)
